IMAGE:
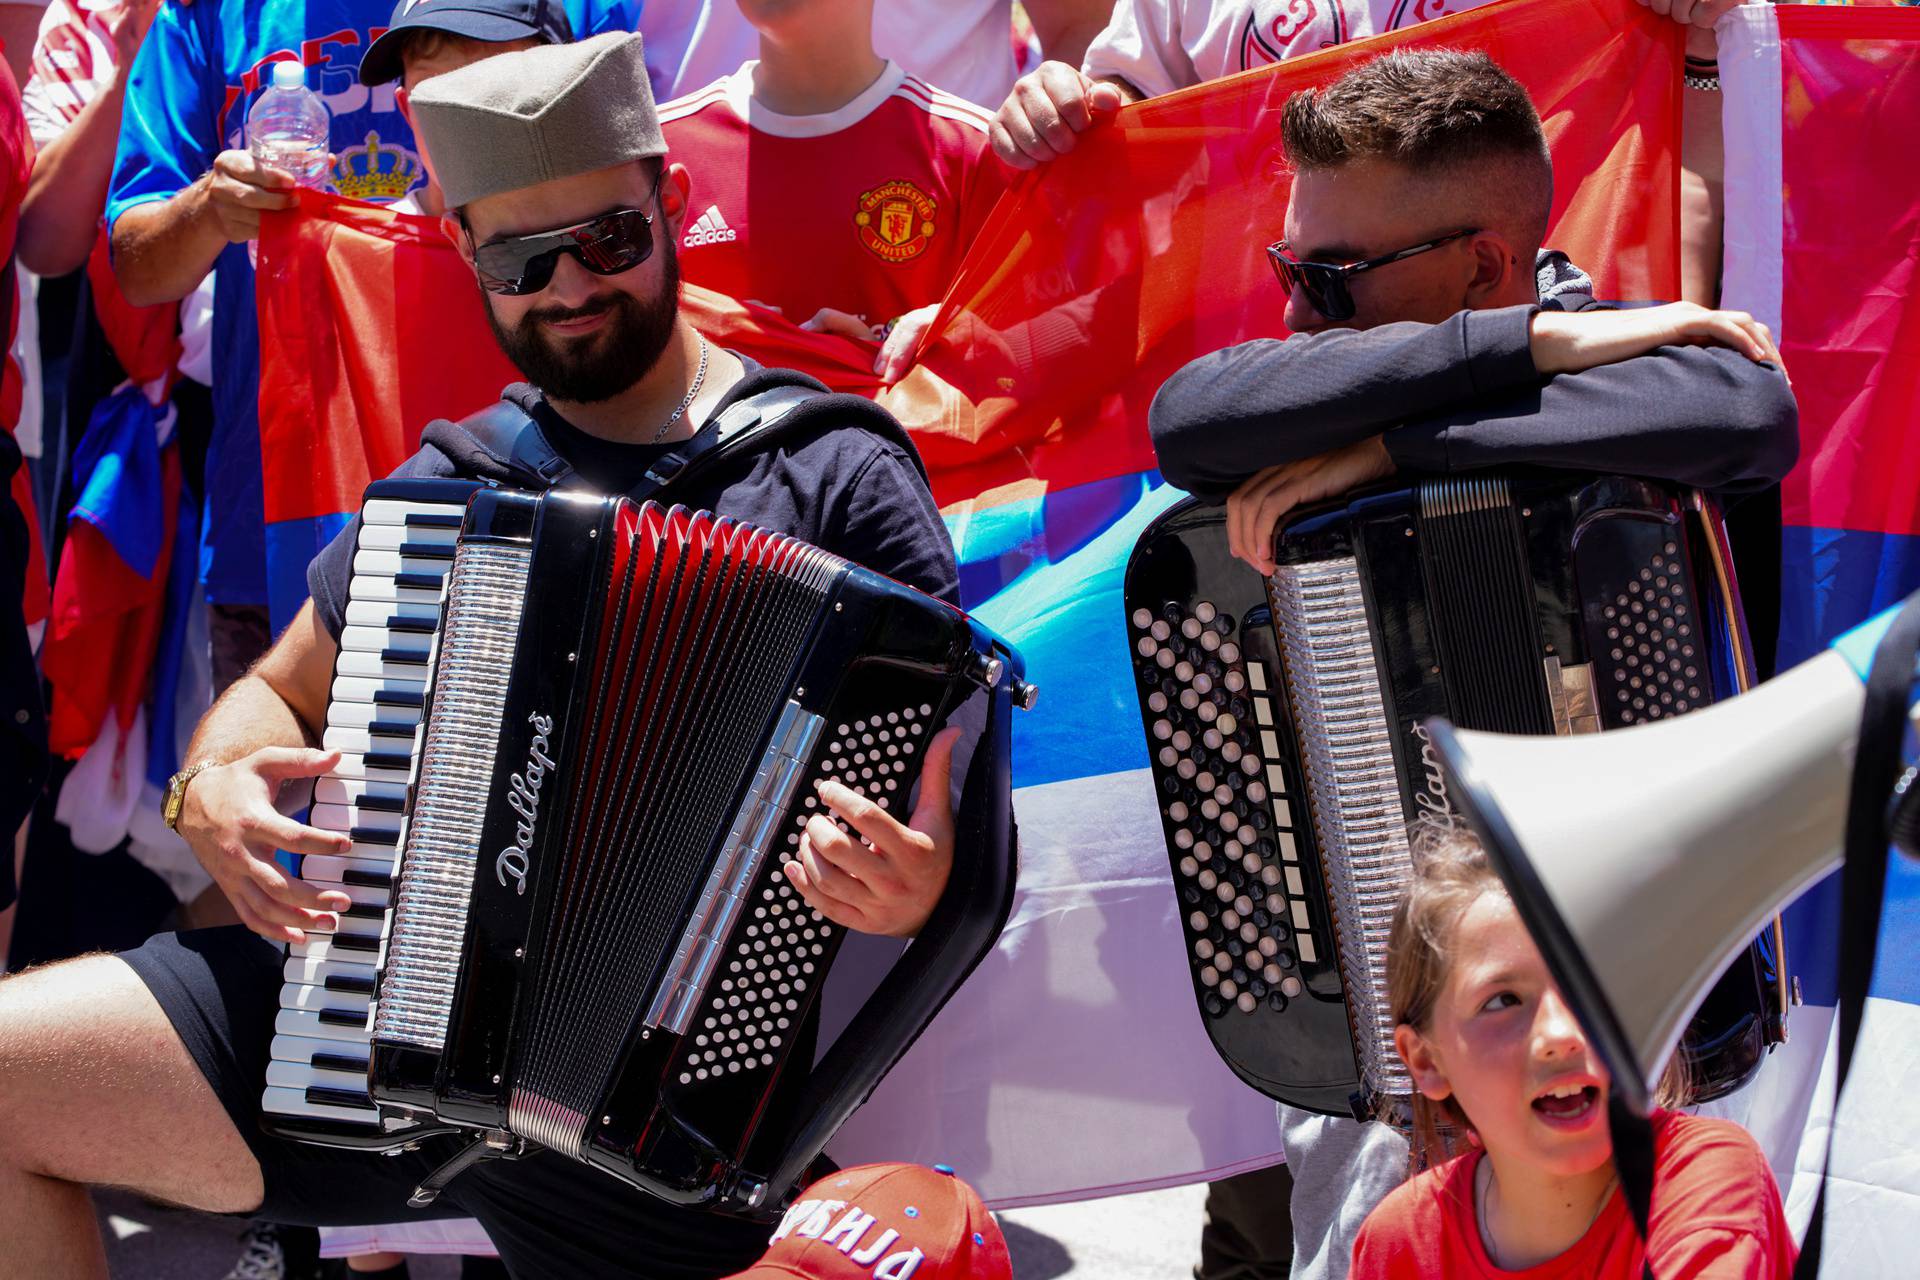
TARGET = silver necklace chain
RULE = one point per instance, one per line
(699, 376)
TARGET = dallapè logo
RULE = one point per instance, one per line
(523, 797)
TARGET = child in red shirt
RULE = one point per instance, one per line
(1495, 1052)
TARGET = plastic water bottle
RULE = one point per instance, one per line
(290, 128)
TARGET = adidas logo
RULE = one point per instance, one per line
(710, 228)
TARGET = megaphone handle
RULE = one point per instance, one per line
(1863, 875)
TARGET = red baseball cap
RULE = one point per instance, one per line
(886, 1222)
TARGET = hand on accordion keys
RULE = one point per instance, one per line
(230, 822)
(886, 876)
(1256, 508)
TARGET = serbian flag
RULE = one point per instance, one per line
(1823, 243)
(109, 596)
(1073, 1064)
(371, 326)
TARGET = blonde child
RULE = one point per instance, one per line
(1525, 1186)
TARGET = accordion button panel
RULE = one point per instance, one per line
(318, 1070)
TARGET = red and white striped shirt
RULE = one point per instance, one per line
(868, 209)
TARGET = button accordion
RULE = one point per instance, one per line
(577, 736)
(1284, 724)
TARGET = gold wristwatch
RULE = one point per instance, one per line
(177, 793)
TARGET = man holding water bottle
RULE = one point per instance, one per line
(187, 195)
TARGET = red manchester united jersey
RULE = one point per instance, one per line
(868, 209)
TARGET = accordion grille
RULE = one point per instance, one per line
(705, 624)
(1353, 790)
(482, 622)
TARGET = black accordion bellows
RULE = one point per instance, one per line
(582, 937)
(1284, 720)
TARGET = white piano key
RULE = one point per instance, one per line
(390, 563)
(340, 817)
(303, 1049)
(351, 740)
(337, 790)
(364, 894)
(295, 1075)
(318, 868)
(380, 613)
(380, 511)
(306, 1022)
(360, 927)
(353, 767)
(353, 688)
(390, 537)
(320, 946)
(293, 1102)
(379, 638)
(372, 586)
(376, 666)
(314, 972)
(294, 995)
(359, 715)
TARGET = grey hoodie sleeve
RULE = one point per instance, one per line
(1464, 394)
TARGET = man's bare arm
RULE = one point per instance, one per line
(256, 739)
(1066, 27)
(162, 250)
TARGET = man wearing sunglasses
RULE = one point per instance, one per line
(145, 1070)
(1432, 334)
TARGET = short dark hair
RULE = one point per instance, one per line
(1434, 112)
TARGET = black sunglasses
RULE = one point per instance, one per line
(1325, 283)
(606, 245)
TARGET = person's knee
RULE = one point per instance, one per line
(97, 1088)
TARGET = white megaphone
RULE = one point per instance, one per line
(1644, 859)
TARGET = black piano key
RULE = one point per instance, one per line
(338, 1062)
(412, 625)
(391, 729)
(427, 550)
(408, 657)
(355, 942)
(365, 911)
(321, 1096)
(424, 581)
(373, 835)
(359, 984)
(390, 697)
(435, 519)
(398, 761)
(381, 804)
(344, 1017)
(361, 878)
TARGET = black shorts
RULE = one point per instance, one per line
(547, 1215)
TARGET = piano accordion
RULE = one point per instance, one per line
(577, 737)
(1283, 720)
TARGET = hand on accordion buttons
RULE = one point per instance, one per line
(229, 821)
(886, 877)
(1256, 508)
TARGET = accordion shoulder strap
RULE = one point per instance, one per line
(512, 441)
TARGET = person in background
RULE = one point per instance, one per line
(1453, 341)
(1498, 1060)
(186, 195)
(836, 188)
(963, 46)
(1151, 47)
(23, 721)
(885, 1220)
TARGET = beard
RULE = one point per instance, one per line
(600, 365)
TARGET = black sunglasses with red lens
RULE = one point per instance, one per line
(606, 245)
(1325, 283)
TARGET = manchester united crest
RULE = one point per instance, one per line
(895, 220)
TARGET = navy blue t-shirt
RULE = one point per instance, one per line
(845, 490)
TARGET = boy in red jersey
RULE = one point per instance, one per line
(833, 187)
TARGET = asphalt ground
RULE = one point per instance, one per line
(1150, 1236)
